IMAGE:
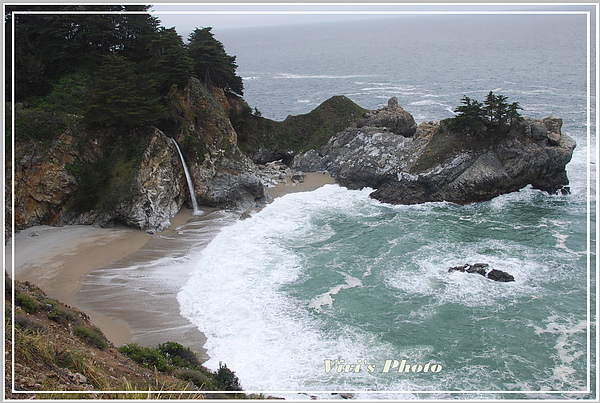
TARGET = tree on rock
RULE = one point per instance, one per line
(470, 116)
(211, 63)
(494, 116)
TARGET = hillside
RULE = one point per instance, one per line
(57, 348)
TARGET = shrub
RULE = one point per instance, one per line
(180, 356)
(39, 124)
(25, 322)
(226, 379)
(62, 316)
(196, 377)
(92, 336)
(146, 356)
(494, 116)
(27, 303)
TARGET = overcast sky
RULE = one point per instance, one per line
(186, 17)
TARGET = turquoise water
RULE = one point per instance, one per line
(334, 275)
(317, 278)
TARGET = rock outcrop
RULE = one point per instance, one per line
(435, 164)
(392, 118)
(483, 270)
(103, 177)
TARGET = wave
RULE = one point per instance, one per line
(334, 275)
(318, 76)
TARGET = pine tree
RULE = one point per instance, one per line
(493, 116)
(120, 97)
(211, 63)
(169, 63)
(470, 117)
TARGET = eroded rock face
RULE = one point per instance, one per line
(154, 195)
(392, 118)
(435, 165)
(158, 188)
(42, 183)
(144, 190)
(235, 185)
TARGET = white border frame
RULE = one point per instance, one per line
(351, 12)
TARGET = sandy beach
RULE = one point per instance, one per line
(124, 278)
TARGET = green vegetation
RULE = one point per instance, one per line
(226, 378)
(112, 70)
(180, 361)
(295, 133)
(92, 336)
(44, 348)
(61, 315)
(147, 356)
(27, 303)
(211, 63)
(121, 97)
(109, 179)
(494, 116)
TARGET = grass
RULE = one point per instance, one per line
(302, 132)
(27, 303)
(92, 336)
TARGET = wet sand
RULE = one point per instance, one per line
(123, 278)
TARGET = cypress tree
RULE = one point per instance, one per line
(121, 97)
(211, 63)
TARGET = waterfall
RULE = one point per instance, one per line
(189, 180)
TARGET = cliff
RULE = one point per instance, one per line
(431, 163)
(135, 177)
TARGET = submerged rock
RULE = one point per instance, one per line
(482, 269)
(434, 164)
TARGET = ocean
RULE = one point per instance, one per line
(330, 291)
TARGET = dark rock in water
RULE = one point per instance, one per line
(482, 269)
(499, 275)
(462, 268)
(430, 163)
(564, 191)
(479, 268)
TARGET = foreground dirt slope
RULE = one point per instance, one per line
(58, 349)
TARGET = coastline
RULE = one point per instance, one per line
(120, 276)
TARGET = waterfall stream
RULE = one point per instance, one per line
(189, 180)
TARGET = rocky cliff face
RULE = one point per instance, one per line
(435, 164)
(135, 178)
(49, 182)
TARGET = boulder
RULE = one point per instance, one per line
(499, 275)
(392, 118)
(482, 269)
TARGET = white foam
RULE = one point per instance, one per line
(327, 298)
(271, 340)
(426, 274)
(568, 350)
(561, 243)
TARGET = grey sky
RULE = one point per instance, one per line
(186, 17)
